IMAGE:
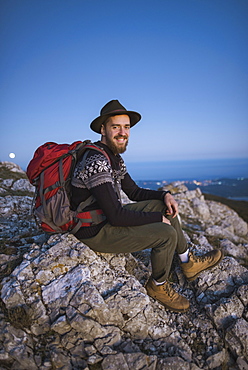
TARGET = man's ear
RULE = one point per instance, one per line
(103, 130)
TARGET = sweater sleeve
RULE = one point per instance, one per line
(116, 214)
(134, 192)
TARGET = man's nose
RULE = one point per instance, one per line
(122, 131)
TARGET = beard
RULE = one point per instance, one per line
(115, 147)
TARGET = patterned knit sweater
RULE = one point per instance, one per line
(96, 176)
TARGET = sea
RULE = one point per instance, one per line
(198, 169)
(223, 177)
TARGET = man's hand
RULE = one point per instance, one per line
(171, 204)
(166, 221)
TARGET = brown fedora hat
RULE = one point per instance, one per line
(113, 108)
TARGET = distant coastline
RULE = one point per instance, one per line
(232, 189)
(239, 198)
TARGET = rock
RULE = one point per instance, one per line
(216, 360)
(226, 311)
(23, 185)
(242, 293)
(11, 167)
(200, 208)
(129, 361)
(113, 362)
(231, 249)
(20, 205)
(220, 281)
(228, 218)
(242, 363)
(64, 306)
(237, 339)
(176, 187)
(140, 361)
(219, 232)
(173, 363)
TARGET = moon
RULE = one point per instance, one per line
(12, 155)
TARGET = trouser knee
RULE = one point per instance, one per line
(168, 234)
(172, 234)
(167, 240)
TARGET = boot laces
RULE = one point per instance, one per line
(199, 258)
(169, 290)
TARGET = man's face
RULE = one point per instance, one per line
(115, 133)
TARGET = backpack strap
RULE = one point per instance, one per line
(61, 173)
(98, 148)
(85, 203)
(93, 217)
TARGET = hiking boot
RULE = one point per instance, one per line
(197, 264)
(167, 296)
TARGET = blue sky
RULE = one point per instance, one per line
(183, 64)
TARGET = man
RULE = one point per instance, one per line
(151, 222)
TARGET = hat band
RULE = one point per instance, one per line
(116, 110)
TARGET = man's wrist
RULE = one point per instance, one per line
(164, 193)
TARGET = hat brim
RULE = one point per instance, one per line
(96, 124)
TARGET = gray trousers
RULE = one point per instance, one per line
(163, 239)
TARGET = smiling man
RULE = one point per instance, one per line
(151, 222)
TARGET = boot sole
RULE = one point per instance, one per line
(208, 268)
(168, 307)
(172, 309)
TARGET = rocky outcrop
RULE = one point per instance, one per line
(213, 220)
(64, 306)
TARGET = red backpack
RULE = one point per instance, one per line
(50, 171)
